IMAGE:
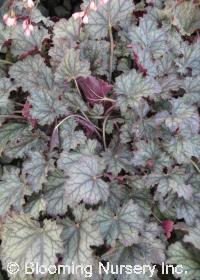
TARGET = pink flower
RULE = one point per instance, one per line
(93, 6)
(85, 19)
(82, 16)
(168, 227)
(28, 27)
(27, 115)
(10, 19)
(78, 15)
(29, 3)
(103, 2)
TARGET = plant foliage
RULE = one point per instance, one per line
(99, 137)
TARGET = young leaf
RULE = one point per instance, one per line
(94, 89)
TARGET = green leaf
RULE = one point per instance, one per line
(23, 240)
(6, 104)
(84, 182)
(21, 43)
(192, 89)
(67, 160)
(10, 131)
(150, 152)
(54, 194)
(32, 74)
(132, 87)
(97, 53)
(194, 236)
(183, 148)
(124, 223)
(4, 34)
(149, 37)
(13, 188)
(79, 235)
(179, 255)
(36, 169)
(182, 117)
(149, 251)
(110, 14)
(189, 59)
(71, 137)
(22, 143)
(117, 157)
(58, 51)
(186, 17)
(72, 67)
(67, 30)
(35, 207)
(172, 182)
(46, 106)
(118, 195)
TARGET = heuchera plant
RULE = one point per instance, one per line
(99, 136)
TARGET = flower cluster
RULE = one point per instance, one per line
(83, 15)
(10, 18)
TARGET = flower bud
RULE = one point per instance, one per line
(10, 19)
(28, 27)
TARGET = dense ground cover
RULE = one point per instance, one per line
(99, 137)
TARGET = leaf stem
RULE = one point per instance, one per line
(111, 52)
(83, 113)
(195, 165)
(12, 117)
(2, 61)
(77, 87)
(104, 130)
(71, 116)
